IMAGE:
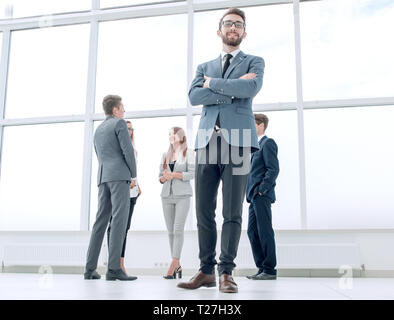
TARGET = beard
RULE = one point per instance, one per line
(234, 42)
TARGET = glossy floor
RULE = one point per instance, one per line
(19, 286)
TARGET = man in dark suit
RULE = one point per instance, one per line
(117, 167)
(226, 135)
(260, 193)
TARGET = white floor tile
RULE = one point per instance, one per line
(18, 286)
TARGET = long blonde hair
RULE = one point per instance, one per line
(183, 143)
(132, 136)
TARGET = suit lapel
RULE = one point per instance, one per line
(218, 67)
(251, 159)
(261, 141)
(237, 60)
(260, 145)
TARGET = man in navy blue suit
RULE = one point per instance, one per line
(260, 193)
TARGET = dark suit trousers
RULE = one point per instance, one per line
(212, 166)
(132, 204)
(261, 234)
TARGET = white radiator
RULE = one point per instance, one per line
(28, 254)
(308, 256)
(296, 256)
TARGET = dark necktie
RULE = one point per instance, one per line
(226, 63)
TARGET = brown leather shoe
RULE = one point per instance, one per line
(199, 280)
(227, 284)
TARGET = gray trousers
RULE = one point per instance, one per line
(220, 162)
(175, 214)
(113, 201)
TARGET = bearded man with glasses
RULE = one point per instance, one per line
(225, 139)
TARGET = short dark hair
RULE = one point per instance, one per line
(109, 102)
(236, 11)
(260, 118)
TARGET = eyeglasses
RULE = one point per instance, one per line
(237, 24)
(130, 129)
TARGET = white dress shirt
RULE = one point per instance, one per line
(233, 53)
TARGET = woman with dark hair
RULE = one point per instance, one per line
(135, 192)
(176, 171)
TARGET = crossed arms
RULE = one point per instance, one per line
(212, 91)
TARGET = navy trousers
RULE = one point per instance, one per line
(261, 234)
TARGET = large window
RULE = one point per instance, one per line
(269, 35)
(24, 8)
(48, 72)
(282, 128)
(349, 167)
(1, 42)
(142, 55)
(41, 176)
(347, 48)
(144, 61)
(119, 3)
(5, 10)
(286, 210)
(151, 139)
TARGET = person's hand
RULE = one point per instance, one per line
(206, 82)
(139, 190)
(257, 195)
(132, 184)
(248, 76)
(165, 175)
(168, 175)
(162, 179)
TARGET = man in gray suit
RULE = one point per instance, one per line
(116, 169)
(226, 136)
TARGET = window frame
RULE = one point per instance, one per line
(189, 7)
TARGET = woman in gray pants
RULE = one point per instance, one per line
(176, 171)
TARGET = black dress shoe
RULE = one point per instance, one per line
(91, 275)
(264, 276)
(253, 275)
(113, 275)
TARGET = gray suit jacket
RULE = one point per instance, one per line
(179, 187)
(230, 98)
(114, 151)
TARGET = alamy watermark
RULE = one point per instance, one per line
(224, 147)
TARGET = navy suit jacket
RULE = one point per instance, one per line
(264, 170)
